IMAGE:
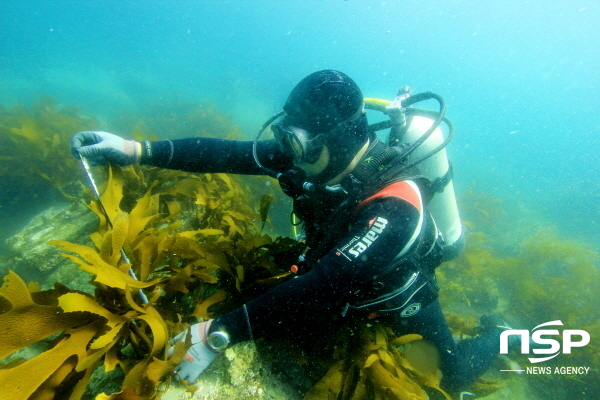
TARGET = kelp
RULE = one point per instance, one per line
(549, 279)
(468, 280)
(191, 241)
(543, 278)
(27, 322)
(385, 367)
(557, 279)
(34, 147)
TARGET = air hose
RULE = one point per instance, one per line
(405, 104)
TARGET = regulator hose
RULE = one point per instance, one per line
(436, 122)
(268, 171)
(429, 114)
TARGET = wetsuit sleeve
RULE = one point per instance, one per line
(314, 301)
(214, 155)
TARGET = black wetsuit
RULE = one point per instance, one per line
(344, 279)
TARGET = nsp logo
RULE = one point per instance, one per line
(377, 227)
(538, 337)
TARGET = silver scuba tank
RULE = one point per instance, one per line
(431, 160)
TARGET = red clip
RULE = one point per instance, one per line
(294, 269)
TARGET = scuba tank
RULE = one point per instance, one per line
(419, 136)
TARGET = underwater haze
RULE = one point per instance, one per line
(520, 79)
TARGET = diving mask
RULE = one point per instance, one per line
(298, 143)
(304, 146)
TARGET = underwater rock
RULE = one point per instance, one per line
(240, 373)
(34, 259)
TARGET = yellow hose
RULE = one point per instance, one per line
(377, 104)
(294, 225)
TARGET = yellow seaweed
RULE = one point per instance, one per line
(329, 387)
(104, 272)
(21, 381)
(379, 370)
(201, 310)
(158, 327)
(119, 236)
(78, 302)
(170, 257)
(35, 147)
(28, 322)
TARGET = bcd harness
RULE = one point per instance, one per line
(407, 284)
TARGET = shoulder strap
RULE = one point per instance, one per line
(381, 167)
(406, 190)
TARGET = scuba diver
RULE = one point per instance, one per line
(378, 219)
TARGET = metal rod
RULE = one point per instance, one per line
(86, 166)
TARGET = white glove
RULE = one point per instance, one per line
(102, 147)
(199, 356)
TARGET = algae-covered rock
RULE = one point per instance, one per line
(241, 372)
(34, 259)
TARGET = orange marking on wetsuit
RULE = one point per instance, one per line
(398, 189)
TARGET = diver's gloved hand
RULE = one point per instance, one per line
(199, 356)
(102, 147)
